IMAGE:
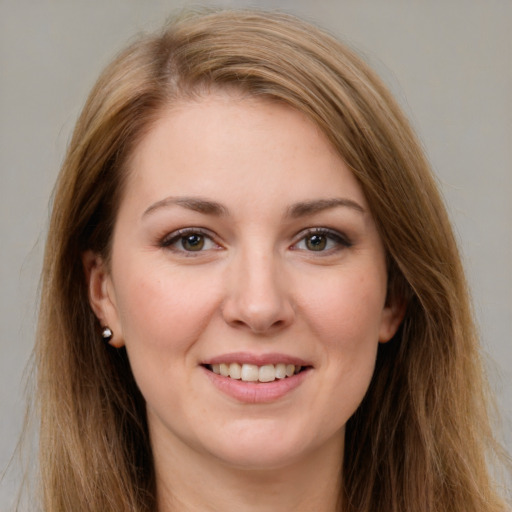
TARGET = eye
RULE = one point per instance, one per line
(193, 242)
(322, 240)
(189, 240)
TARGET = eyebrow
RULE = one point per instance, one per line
(305, 208)
(196, 204)
(297, 210)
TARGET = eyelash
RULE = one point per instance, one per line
(340, 240)
(176, 236)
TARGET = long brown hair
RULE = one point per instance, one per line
(421, 438)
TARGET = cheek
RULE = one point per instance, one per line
(162, 309)
(344, 316)
(347, 309)
(162, 314)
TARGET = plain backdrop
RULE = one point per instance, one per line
(448, 62)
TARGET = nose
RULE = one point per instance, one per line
(259, 295)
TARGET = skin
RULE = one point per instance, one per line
(258, 287)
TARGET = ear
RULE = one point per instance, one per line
(102, 296)
(392, 316)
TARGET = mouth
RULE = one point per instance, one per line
(246, 372)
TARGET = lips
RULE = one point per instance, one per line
(260, 380)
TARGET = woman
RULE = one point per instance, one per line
(247, 221)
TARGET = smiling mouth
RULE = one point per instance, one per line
(254, 373)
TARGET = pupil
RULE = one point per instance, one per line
(316, 242)
(193, 242)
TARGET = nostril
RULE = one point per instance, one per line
(260, 309)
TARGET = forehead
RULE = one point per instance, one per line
(233, 146)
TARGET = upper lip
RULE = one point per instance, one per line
(256, 359)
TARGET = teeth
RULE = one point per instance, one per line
(254, 373)
(250, 373)
(280, 371)
(267, 373)
(235, 371)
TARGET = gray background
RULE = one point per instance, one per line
(448, 62)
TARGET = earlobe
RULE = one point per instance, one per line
(101, 295)
(392, 317)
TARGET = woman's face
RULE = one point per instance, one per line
(244, 245)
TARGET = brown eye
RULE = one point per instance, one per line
(188, 241)
(322, 240)
(316, 242)
(192, 242)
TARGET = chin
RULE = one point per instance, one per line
(259, 448)
(259, 458)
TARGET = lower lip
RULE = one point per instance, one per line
(256, 392)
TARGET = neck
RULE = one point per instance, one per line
(205, 484)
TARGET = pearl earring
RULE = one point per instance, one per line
(107, 334)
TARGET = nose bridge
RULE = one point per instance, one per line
(256, 297)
